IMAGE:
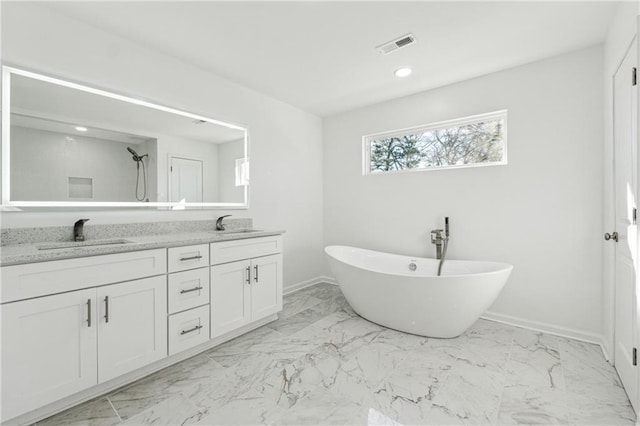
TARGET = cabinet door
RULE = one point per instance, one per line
(48, 350)
(266, 286)
(132, 329)
(230, 296)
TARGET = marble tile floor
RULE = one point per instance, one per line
(322, 364)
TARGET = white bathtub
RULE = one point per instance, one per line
(383, 289)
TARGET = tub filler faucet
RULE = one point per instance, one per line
(441, 241)
(438, 240)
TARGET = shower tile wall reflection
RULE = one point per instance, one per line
(322, 364)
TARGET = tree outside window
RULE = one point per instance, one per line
(478, 140)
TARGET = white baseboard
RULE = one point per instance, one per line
(569, 333)
(308, 283)
(493, 316)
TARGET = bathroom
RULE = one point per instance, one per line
(544, 215)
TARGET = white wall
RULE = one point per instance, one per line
(622, 30)
(150, 147)
(542, 212)
(228, 153)
(42, 161)
(285, 142)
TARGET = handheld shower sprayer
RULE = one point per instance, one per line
(446, 227)
(135, 155)
(138, 159)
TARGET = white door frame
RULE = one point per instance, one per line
(610, 216)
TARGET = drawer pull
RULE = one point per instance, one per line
(196, 328)
(191, 289)
(106, 309)
(255, 278)
(182, 259)
(89, 312)
(249, 275)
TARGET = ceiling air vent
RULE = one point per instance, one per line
(396, 44)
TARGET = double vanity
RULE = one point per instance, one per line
(81, 319)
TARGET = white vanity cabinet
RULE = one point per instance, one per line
(49, 349)
(76, 328)
(90, 331)
(246, 282)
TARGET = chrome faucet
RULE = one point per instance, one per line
(438, 240)
(78, 230)
(441, 242)
(219, 225)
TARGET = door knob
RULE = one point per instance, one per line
(613, 236)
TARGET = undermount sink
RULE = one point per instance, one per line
(75, 244)
(240, 231)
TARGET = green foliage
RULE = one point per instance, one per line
(468, 144)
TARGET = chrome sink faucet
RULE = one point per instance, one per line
(219, 225)
(78, 230)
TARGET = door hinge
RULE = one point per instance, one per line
(170, 168)
(635, 215)
(634, 76)
(635, 356)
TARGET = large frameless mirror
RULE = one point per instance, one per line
(67, 144)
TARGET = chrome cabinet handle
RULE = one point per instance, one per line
(182, 259)
(255, 278)
(106, 309)
(191, 289)
(249, 275)
(89, 312)
(613, 236)
(197, 327)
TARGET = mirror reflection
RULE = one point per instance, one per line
(73, 144)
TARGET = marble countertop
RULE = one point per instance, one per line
(31, 253)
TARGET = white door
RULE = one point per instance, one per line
(48, 350)
(266, 286)
(132, 329)
(185, 176)
(625, 155)
(230, 296)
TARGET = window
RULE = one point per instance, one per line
(480, 140)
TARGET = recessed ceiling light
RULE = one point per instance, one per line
(403, 72)
(81, 129)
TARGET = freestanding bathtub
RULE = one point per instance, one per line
(405, 293)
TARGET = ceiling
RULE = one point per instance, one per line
(321, 57)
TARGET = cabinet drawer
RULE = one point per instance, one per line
(41, 279)
(230, 251)
(188, 289)
(188, 257)
(188, 329)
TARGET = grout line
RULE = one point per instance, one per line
(114, 409)
(566, 387)
(504, 378)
